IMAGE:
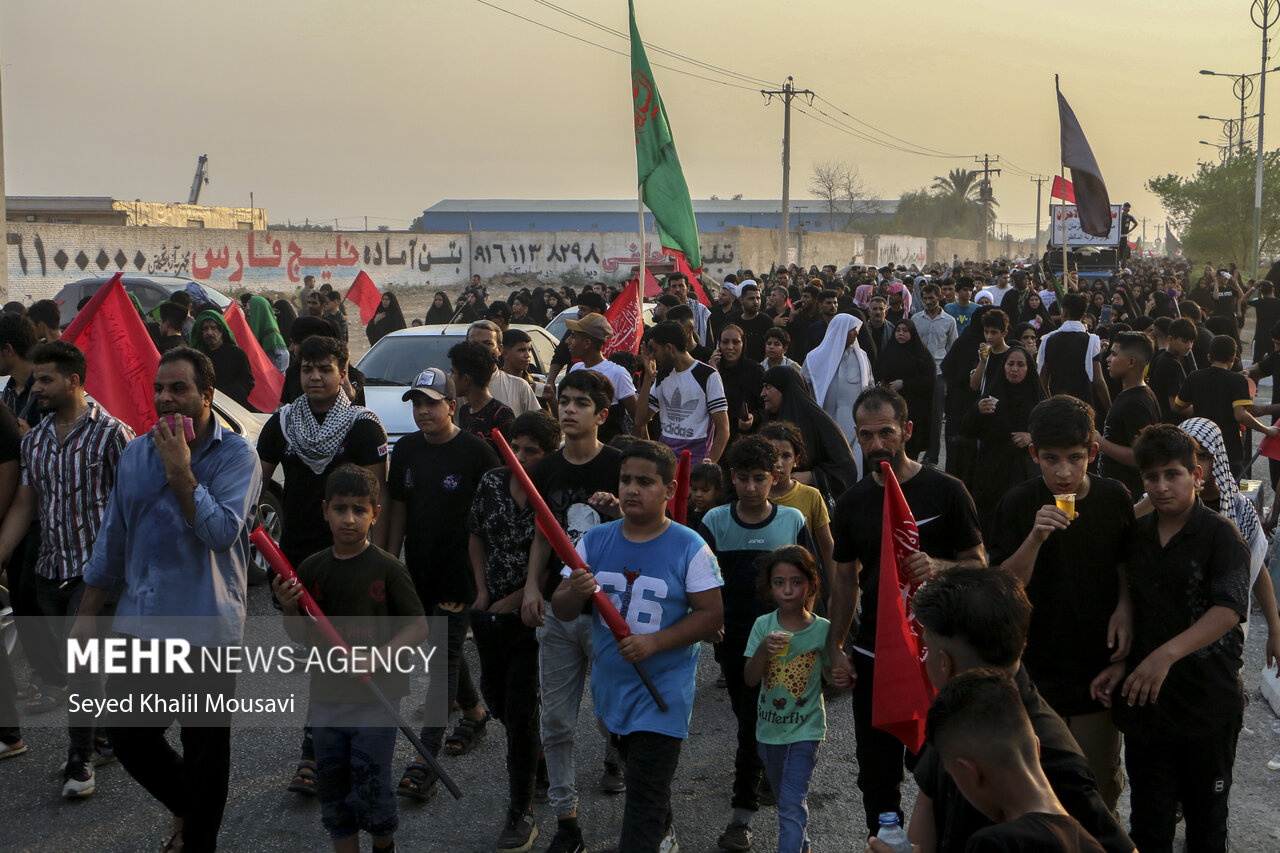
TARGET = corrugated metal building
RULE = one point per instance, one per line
(610, 215)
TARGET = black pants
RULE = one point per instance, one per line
(38, 642)
(461, 689)
(748, 769)
(60, 602)
(193, 785)
(649, 761)
(1194, 771)
(881, 756)
(509, 680)
(10, 732)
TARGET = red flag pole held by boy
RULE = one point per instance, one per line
(569, 556)
(680, 500)
(900, 688)
(276, 559)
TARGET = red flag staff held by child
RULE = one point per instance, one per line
(569, 556)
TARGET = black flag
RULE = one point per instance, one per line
(1092, 203)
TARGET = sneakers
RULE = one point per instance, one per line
(612, 781)
(103, 752)
(77, 777)
(568, 839)
(519, 834)
(736, 837)
(668, 843)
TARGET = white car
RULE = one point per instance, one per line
(392, 364)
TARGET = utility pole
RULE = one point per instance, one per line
(984, 190)
(1036, 240)
(787, 92)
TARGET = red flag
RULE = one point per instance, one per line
(1063, 190)
(901, 690)
(682, 264)
(624, 317)
(121, 355)
(364, 293)
(267, 381)
(1270, 448)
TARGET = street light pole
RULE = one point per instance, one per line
(1267, 9)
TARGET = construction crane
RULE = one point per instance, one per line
(202, 178)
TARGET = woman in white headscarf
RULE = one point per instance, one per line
(838, 371)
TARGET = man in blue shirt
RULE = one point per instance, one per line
(175, 542)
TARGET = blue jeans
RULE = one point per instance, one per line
(353, 762)
(789, 767)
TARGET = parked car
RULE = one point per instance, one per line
(231, 415)
(557, 329)
(391, 365)
(151, 290)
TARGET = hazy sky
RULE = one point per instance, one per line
(329, 109)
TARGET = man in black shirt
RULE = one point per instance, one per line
(949, 533)
(802, 317)
(1269, 365)
(434, 476)
(1072, 568)
(481, 414)
(1181, 700)
(976, 618)
(1067, 357)
(1266, 307)
(828, 307)
(579, 483)
(312, 437)
(1223, 397)
(879, 330)
(752, 322)
(1134, 407)
(172, 318)
(231, 369)
(725, 307)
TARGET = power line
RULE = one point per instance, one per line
(935, 152)
(610, 49)
(658, 48)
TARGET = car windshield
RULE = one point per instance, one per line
(398, 359)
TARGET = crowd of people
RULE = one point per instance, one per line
(1070, 449)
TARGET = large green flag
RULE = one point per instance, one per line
(662, 185)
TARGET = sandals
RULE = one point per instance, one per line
(9, 750)
(467, 735)
(419, 782)
(305, 780)
(45, 700)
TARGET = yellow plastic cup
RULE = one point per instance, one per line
(1066, 503)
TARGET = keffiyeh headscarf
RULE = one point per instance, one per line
(315, 442)
(1232, 504)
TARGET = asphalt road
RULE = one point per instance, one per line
(261, 815)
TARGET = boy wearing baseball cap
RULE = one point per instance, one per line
(434, 475)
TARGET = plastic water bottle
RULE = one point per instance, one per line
(892, 833)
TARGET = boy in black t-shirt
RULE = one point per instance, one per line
(1181, 701)
(1073, 570)
(1223, 397)
(980, 729)
(579, 483)
(354, 737)
(471, 367)
(502, 527)
(1132, 409)
(434, 475)
(1167, 371)
(949, 533)
(311, 437)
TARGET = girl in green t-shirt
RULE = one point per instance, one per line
(787, 650)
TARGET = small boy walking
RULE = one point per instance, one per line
(368, 596)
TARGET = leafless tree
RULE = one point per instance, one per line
(837, 183)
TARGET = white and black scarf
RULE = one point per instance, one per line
(1231, 503)
(316, 442)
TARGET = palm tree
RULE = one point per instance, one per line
(962, 191)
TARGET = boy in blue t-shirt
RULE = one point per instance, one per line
(739, 533)
(664, 581)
